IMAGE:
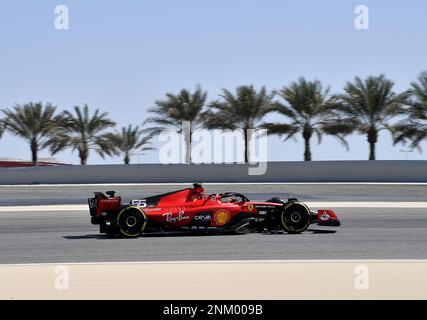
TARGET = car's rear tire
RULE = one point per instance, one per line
(295, 217)
(131, 221)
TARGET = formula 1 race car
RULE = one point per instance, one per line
(191, 210)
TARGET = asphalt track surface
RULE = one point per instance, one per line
(68, 236)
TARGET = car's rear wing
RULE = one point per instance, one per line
(101, 203)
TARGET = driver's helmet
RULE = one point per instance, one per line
(198, 190)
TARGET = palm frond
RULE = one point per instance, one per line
(79, 130)
(174, 109)
(413, 128)
(240, 110)
(33, 122)
(126, 141)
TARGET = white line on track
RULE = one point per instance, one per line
(216, 183)
(368, 204)
(343, 204)
(62, 207)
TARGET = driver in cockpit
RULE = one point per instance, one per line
(198, 191)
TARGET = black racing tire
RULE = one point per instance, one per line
(111, 230)
(295, 217)
(131, 221)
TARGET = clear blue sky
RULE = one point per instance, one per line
(122, 55)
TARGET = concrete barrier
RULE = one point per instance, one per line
(316, 171)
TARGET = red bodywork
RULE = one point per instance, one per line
(180, 208)
(192, 208)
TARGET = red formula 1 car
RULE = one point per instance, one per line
(191, 210)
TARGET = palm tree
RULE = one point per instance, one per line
(242, 110)
(414, 127)
(174, 110)
(83, 132)
(308, 107)
(368, 105)
(129, 139)
(33, 122)
(1, 127)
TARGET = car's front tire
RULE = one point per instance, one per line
(131, 221)
(295, 217)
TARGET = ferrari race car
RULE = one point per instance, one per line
(191, 210)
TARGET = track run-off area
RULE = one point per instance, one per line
(383, 226)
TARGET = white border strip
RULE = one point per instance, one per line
(47, 208)
(217, 262)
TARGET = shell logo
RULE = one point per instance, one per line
(222, 217)
(250, 207)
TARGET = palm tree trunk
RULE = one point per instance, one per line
(247, 135)
(34, 150)
(187, 140)
(186, 130)
(372, 140)
(83, 154)
(306, 134)
(126, 159)
(307, 149)
(372, 151)
(190, 139)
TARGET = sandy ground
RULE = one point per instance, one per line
(218, 280)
